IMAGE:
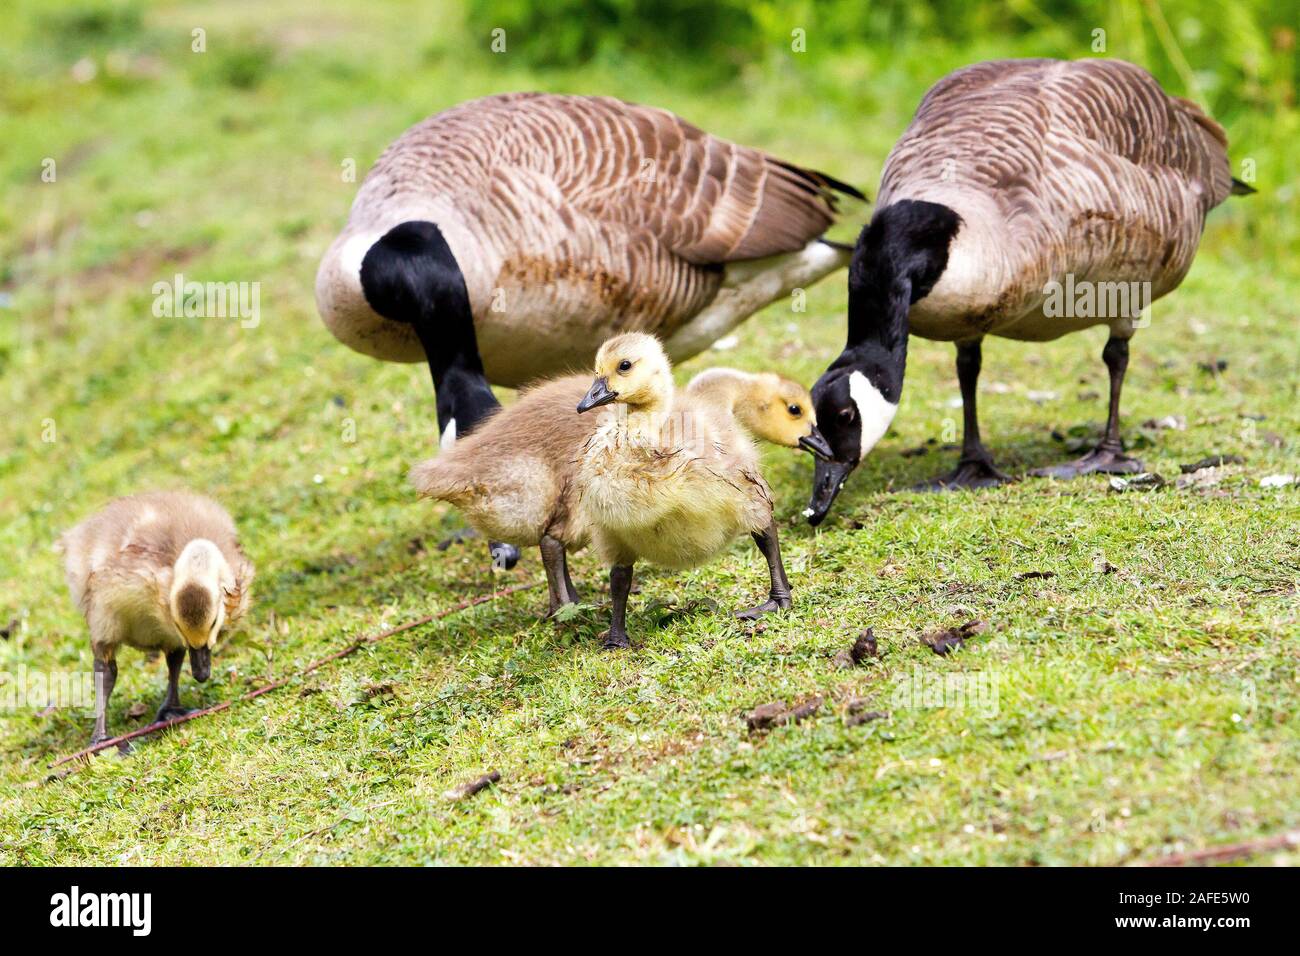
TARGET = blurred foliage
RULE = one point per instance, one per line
(1243, 53)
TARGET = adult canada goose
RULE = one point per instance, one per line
(504, 239)
(1016, 180)
(674, 478)
(515, 477)
(161, 571)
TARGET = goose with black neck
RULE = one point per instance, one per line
(1017, 179)
(501, 241)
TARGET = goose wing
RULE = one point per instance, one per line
(1121, 113)
(1092, 167)
(642, 169)
(706, 199)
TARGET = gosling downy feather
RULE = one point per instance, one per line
(511, 477)
(669, 476)
(156, 571)
(515, 477)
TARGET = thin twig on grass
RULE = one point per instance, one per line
(1232, 851)
(276, 685)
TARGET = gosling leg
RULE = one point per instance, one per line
(171, 705)
(105, 678)
(620, 585)
(779, 595)
(559, 586)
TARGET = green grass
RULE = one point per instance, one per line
(1138, 711)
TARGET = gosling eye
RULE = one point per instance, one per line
(846, 414)
(625, 366)
(795, 410)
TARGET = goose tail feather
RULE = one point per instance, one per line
(440, 479)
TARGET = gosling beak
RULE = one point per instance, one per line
(816, 444)
(828, 478)
(201, 663)
(599, 394)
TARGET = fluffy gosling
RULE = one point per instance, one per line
(673, 476)
(161, 571)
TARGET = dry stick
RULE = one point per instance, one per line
(1233, 851)
(276, 685)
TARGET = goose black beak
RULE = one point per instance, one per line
(599, 394)
(201, 663)
(817, 444)
(828, 479)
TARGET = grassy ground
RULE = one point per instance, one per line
(1138, 711)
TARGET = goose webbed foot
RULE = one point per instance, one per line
(971, 472)
(1107, 458)
(778, 595)
(613, 640)
(774, 603)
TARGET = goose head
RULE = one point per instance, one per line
(633, 370)
(855, 402)
(899, 257)
(200, 579)
(781, 411)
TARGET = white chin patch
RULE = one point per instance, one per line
(448, 435)
(354, 252)
(874, 411)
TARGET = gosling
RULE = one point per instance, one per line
(160, 571)
(672, 477)
(514, 476)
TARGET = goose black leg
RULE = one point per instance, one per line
(171, 705)
(558, 583)
(105, 678)
(975, 468)
(1108, 457)
(779, 595)
(620, 585)
(464, 378)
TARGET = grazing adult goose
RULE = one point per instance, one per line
(673, 477)
(161, 571)
(504, 239)
(1018, 180)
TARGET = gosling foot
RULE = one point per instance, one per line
(171, 712)
(1107, 458)
(777, 602)
(123, 749)
(969, 473)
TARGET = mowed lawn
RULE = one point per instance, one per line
(1140, 671)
